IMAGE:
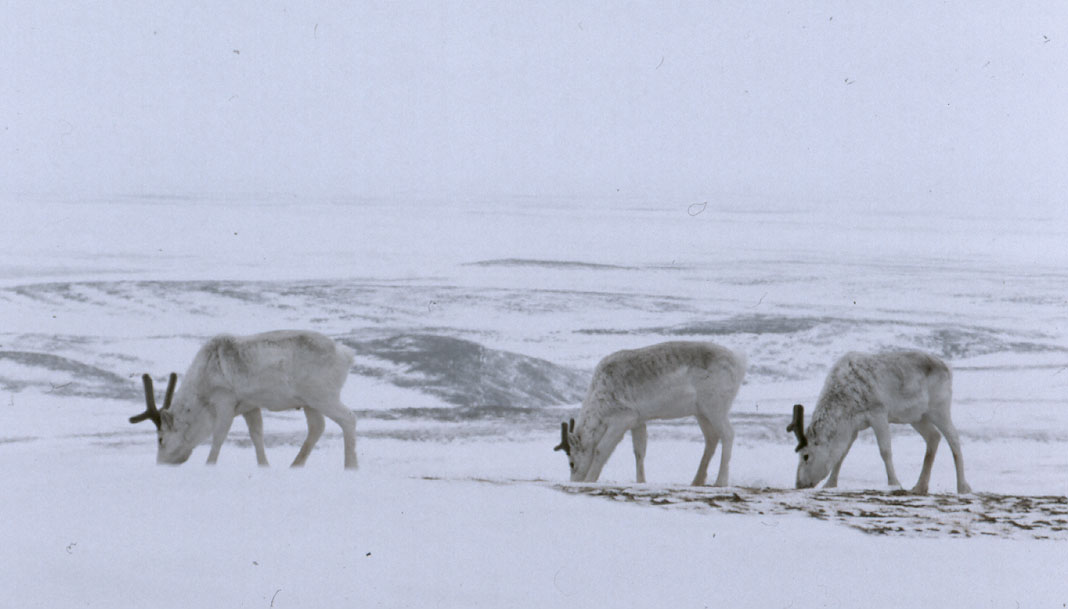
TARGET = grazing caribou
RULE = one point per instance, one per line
(874, 390)
(664, 381)
(240, 375)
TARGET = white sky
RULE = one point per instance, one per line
(793, 103)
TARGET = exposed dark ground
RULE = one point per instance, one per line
(873, 512)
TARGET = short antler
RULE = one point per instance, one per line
(151, 413)
(565, 443)
(170, 390)
(798, 427)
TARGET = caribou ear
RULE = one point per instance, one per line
(166, 419)
(572, 429)
(797, 425)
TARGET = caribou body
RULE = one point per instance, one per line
(240, 375)
(664, 381)
(874, 390)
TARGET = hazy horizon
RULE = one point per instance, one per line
(954, 107)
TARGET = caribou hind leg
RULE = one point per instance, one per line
(338, 413)
(945, 425)
(316, 425)
(711, 439)
(931, 437)
(726, 440)
(715, 432)
(639, 435)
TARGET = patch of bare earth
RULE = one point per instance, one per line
(870, 511)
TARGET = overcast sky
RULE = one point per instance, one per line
(946, 104)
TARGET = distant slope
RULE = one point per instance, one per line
(60, 375)
(465, 373)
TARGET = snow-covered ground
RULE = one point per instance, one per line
(476, 324)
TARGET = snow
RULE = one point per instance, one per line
(124, 533)
(462, 503)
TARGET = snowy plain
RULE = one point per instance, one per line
(476, 325)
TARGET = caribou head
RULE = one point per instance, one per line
(172, 447)
(798, 427)
(578, 454)
(814, 460)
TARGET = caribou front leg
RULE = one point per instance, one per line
(224, 418)
(881, 426)
(603, 450)
(254, 420)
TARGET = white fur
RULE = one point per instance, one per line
(663, 381)
(240, 375)
(874, 390)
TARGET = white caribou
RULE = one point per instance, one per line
(664, 381)
(874, 390)
(240, 375)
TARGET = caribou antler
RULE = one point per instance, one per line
(151, 412)
(798, 427)
(565, 444)
(170, 391)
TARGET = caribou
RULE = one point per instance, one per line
(240, 375)
(663, 381)
(874, 390)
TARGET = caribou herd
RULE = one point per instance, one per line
(242, 375)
